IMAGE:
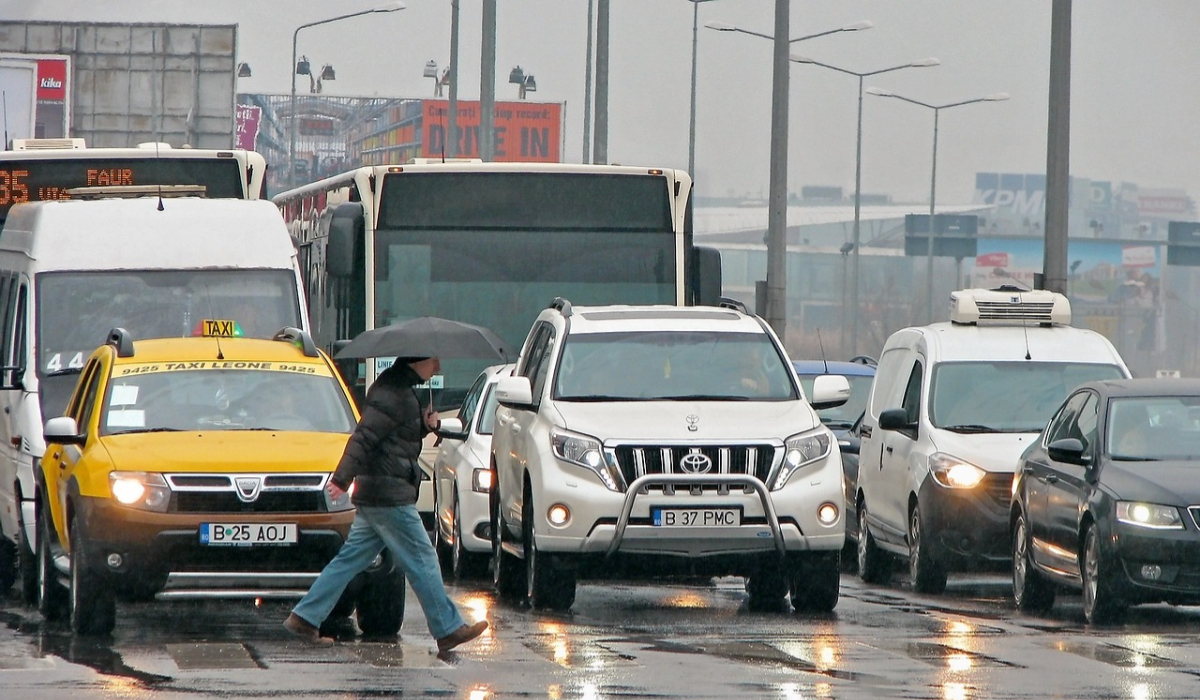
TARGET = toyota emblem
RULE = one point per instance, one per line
(695, 462)
(692, 421)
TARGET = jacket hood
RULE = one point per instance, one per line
(718, 421)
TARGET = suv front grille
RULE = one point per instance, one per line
(247, 493)
(639, 460)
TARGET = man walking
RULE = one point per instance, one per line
(381, 460)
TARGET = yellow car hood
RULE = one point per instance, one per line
(226, 451)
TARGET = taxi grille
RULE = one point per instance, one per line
(247, 493)
(639, 460)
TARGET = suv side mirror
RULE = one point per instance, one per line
(514, 392)
(895, 419)
(63, 430)
(452, 429)
(829, 391)
(1068, 450)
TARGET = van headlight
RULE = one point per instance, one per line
(587, 452)
(141, 490)
(1151, 515)
(800, 451)
(954, 473)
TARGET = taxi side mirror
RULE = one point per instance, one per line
(63, 431)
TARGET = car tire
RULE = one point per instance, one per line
(927, 573)
(1032, 592)
(507, 572)
(379, 609)
(816, 584)
(874, 565)
(1102, 599)
(92, 606)
(548, 584)
(27, 562)
(464, 564)
(767, 587)
(52, 597)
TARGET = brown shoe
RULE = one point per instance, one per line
(305, 631)
(462, 635)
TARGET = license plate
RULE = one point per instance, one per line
(247, 534)
(697, 517)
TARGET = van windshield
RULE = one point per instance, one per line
(1006, 397)
(672, 365)
(76, 310)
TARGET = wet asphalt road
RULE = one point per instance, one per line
(625, 640)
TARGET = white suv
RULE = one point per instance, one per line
(652, 440)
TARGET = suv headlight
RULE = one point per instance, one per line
(802, 450)
(141, 490)
(954, 473)
(587, 452)
(1151, 515)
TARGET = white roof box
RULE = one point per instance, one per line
(47, 144)
(1009, 306)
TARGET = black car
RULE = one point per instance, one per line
(1107, 500)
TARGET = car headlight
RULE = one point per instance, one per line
(1151, 515)
(587, 452)
(481, 480)
(142, 490)
(954, 473)
(342, 502)
(800, 451)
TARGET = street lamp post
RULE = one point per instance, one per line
(390, 7)
(997, 97)
(692, 120)
(777, 205)
(854, 269)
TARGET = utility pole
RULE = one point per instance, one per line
(600, 152)
(587, 87)
(487, 84)
(1058, 150)
(453, 127)
(777, 197)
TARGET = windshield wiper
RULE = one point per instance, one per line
(594, 398)
(146, 430)
(971, 428)
(704, 397)
(64, 372)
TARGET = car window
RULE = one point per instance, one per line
(843, 416)
(487, 414)
(471, 401)
(890, 378)
(87, 404)
(1060, 425)
(1087, 422)
(912, 394)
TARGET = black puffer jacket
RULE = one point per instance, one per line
(382, 453)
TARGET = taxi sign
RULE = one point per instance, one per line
(217, 328)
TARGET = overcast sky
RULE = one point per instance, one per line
(1136, 69)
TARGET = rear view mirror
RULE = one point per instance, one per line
(63, 431)
(345, 232)
(829, 391)
(452, 429)
(514, 392)
(895, 419)
(1069, 450)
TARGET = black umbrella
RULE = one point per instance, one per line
(427, 336)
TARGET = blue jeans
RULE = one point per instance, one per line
(399, 528)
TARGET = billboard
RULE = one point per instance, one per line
(524, 131)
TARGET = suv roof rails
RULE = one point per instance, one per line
(864, 360)
(299, 338)
(120, 339)
(731, 303)
(562, 305)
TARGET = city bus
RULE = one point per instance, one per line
(490, 244)
(49, 169)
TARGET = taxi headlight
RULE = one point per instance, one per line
(342, 502)
(142, 490)
(585, 451)
(802, 450)
(954, 473)
(1151, 515)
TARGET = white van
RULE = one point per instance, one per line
(72, 270)
(953, 406)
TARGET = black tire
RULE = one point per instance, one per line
(508, 574)
(28, 564)
(379, 609)
(464, 564)
(52, 597)
(927, 572)
(92, 605)
(1102, 599)
(8, 565)
(874, 565)
(767, 587)
(1032, 592)
(816, 584)
(548, 584)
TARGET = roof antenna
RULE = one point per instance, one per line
(821, 343)
(4, 95)
(213, 315)
(1025, 331)
(160, 202)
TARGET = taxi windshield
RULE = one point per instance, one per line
(143, 398)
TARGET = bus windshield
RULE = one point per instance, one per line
(491, 248)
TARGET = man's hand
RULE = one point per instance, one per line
(335, 492)
(432, 421)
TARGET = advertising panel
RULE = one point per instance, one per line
(524, 131)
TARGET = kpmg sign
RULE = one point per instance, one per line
(1024, 194)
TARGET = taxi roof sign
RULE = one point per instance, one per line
(218, 328)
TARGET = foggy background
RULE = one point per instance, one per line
(1134, 80)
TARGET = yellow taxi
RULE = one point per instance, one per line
(196, 468)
